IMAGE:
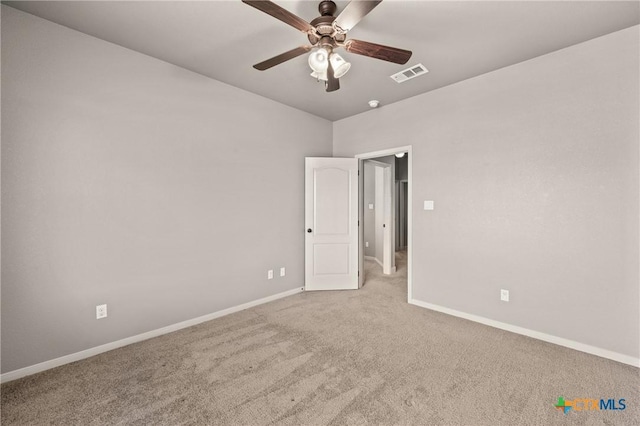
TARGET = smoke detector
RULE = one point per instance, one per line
(409, 73)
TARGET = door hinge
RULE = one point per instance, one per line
(358, 273)
(358, 172)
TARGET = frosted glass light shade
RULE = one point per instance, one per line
(339, 65)
(319, 60)
(320, 76)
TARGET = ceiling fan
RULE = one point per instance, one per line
(327, 33)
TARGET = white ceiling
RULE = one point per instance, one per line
(455, 40)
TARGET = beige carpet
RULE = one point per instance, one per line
(342, 358)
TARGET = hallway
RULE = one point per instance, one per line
(395, 284)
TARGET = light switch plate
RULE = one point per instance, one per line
(429, 205)
(370, 206)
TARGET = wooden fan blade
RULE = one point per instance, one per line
(278, 12)
(276, 60)
(333, 83)
(354, 12)
(378, 51)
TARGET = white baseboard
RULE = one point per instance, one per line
(393, 268)
(375, 259)
(593, 350)
(46, 365)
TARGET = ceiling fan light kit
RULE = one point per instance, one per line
(325, 34)
(320, 64)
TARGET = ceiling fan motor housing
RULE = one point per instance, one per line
(323, 28)
(327, 8)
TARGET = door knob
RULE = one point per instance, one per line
(309, 230)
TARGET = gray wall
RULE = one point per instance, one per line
(132, 182)
(534, 173)
(402, 168)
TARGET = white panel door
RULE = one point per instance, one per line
(331, 221)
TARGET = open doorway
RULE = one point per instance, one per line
(385, 214)
(378, 213)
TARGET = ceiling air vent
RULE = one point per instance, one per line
(409, 73)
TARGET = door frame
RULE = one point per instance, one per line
(369, 156)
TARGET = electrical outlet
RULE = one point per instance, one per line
(504, 295)
(270, 274)
(282, 272)
(101, 311)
